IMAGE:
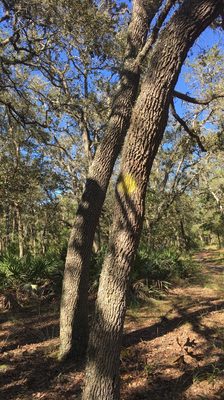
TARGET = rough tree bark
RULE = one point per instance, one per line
(148, 122)
(74, 303)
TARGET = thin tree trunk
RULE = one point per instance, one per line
(149, 119)
(218, 202)
(74, 303)
(43, 241)
(1, 246)
(34, 246)
(7, 225)
(13, 233)
(20, 230)
(219, 241)
(183, 238)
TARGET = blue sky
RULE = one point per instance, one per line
(207, 40)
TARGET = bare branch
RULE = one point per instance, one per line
(20, 117)
(5, 17)
(186, 127)
(193, 100)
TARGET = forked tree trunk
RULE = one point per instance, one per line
(74, 303)
(148, 122)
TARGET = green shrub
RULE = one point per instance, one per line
(155, 271)
(29, 269)
(167, 265)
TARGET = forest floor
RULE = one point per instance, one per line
(172, 348)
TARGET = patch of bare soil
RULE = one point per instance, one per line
(172, 349)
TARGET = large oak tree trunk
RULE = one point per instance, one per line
(148, 122)
(74, 310)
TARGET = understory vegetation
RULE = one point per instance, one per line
(43, 169)
(111, 189)
(154, 273)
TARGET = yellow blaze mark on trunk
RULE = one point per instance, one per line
(127, 184)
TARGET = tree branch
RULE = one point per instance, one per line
(186, 127)
(19, 116)
(5, 17)
(155, 31)
(193, 100)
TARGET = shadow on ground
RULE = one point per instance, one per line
(180, 356)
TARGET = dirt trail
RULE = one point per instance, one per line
(181, 347)
(172, 349)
